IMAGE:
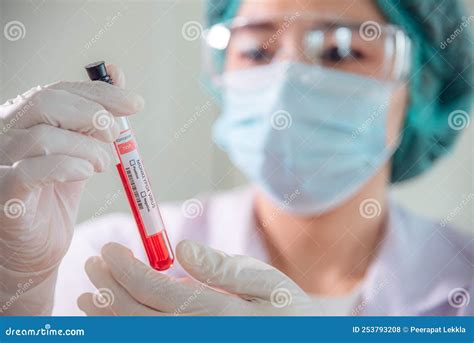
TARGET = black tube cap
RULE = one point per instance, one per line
(97, 71)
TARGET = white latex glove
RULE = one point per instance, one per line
(54, 138)
(220, 285)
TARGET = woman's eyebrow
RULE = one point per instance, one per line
(260, 26)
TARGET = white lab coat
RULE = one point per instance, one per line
(417, 267)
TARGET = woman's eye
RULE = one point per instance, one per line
(256, 55)
(335, 55)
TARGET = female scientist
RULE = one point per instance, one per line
(325, 104)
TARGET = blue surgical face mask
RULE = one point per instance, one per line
(309, 137)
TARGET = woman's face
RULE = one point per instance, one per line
(278, 31)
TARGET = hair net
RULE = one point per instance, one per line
(441, 78)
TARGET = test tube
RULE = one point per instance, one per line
(137, 187)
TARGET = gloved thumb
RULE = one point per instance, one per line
(116, 74)
(241, 275)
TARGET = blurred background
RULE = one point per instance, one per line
(157, 44)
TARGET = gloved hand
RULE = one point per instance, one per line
(54, 138)
(220, 285)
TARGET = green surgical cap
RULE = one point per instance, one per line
(441, 80)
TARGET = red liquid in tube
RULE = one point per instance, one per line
(144, 208)
(137, 187)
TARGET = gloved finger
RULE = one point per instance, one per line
(238, 274)
(18, 180)
(61, 109)
(42, 140)
(116, 74)
(159, 291)
(116, 100)
(115, 296)
(88, 303)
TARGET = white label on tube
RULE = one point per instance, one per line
(138, 183)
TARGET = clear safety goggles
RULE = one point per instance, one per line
(370, 49)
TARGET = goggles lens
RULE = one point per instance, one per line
(369, 49)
